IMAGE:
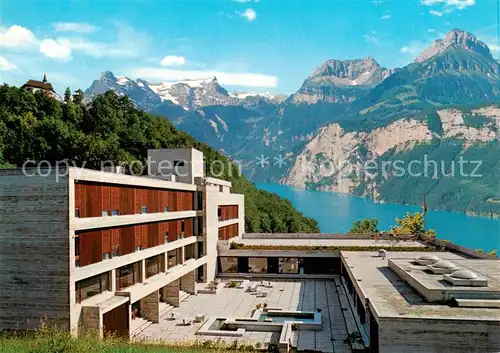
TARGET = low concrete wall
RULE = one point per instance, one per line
(326, 236)
(460, 249)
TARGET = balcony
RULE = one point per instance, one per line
(140, 290)
(123, 260)
(123, 220)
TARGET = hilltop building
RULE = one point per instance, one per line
(44, 86)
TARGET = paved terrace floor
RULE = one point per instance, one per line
(232, 302)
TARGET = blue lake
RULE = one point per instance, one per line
(335, 213)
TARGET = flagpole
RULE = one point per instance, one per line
(425, 214)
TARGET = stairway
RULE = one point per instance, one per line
(183, 295)
(165, 308)
(137, 325)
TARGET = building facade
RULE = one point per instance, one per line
(86, 249)
(43, 86)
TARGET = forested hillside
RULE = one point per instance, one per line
(36, 127)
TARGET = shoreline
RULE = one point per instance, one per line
(494, 216)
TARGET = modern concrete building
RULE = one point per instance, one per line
(106, 251)
(399, 295)
(87, 249)
(402, 306)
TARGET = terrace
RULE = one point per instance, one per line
(290, 297)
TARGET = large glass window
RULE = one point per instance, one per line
(288, 265)
(189, 252)
(128, 275)
(91, 286)
(257, 265)
(228, 264)
(172, 258)
(153, 266)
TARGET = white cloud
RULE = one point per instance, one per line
(128, 44)
(5, 65)
(226, 78)
(74, 27)
(431, 30)
(172, 60)
(249, 14)
(59, 49)
(459, 4)
(245, 1)
(386, 17)
(372, 37)
(494, 48)
(436, 13)
(415, 47)
(16, 36)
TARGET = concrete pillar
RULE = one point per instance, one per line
(188, 282)
(150, 307)
(182, 255)
(143, 271)
(112, 278)
(164, 262)
(171, 293)
(91, 321)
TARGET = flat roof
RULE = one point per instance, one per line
(489, 269)
(392, 297)
(330, 242)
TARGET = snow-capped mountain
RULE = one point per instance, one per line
(188, 94)
(339, 81)
(138, 91)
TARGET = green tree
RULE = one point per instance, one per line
(110, 128)
(67, 95)
(365, 226)
(265, 223)
(413, 224)
(78, 97)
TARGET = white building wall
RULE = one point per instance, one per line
(214, 199)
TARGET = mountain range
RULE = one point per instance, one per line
(350, 105)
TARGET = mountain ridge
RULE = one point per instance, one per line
(359, 95)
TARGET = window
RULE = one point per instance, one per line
(221, 188)
(115, 213)
(228, 264)
(172, 258)
(182, 226)
(200, 249)
(144, 209)
(152, 266)
(165, 209)
(219, 213)
(77, 251)
(128, 275)
(91, 286)
(165, 237)
(105, 213)
(77, 212)
(179, 164)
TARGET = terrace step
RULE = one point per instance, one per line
(165, 308)
(183, 295)
(138, 325)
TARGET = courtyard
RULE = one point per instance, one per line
(310, 295)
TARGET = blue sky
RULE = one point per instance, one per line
(264, 45)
